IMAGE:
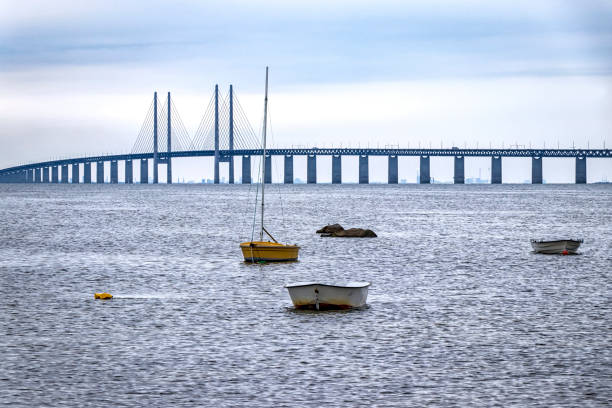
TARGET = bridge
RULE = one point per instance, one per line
(225, 134)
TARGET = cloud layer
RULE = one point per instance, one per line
(77, 77)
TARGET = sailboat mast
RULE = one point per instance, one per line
(263, 158)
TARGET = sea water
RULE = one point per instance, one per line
(460, 311)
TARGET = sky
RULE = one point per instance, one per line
(78, 77)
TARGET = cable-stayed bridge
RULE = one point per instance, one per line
(225, 134)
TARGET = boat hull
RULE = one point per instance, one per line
(258, 251)
(568, 246)
(318, 296)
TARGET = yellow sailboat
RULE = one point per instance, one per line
(256, 251)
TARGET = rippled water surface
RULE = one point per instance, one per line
(461, 313)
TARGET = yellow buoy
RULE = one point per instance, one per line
(103, 296)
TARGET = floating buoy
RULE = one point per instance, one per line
(103, 296)
(565, 252)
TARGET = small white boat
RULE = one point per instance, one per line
(560, 246)
(320, 296)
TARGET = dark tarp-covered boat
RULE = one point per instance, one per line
(560, 246)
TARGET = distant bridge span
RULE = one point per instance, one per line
(224, 133)
(39, 172)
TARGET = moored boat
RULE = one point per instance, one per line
(320, 296)
(256, 251)
(266, 251)
(560, 246)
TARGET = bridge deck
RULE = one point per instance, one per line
(600, 153)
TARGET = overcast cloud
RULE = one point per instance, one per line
(77, 77)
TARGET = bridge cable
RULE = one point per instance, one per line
(250, 138)
(144, 127)
(182, 131)
(143, 138)
(199, 137)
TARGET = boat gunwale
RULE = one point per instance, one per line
(542, 241)
(274, 246)
(299, 285)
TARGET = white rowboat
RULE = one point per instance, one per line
(320, 296)
(561, 246)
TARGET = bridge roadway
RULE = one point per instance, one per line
(39, 172)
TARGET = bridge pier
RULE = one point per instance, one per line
(246, 169)
(37, 175)
(87, 172)
(76, 177)
(392, 174)
(129, 173)
(30, 176)
(100, 172)
(288, 177)
(45, 174)
(536, 170)
(114, 172)
(336, 169)
(17, 177)
(311, 169)
(459, 176)
(64, 173)
(424, 177)
(54, 174)
(581, 170)
(496, 170)
(364, 176)
(216, 177)
(268, 163)
(144, 171)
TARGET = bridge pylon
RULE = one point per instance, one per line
(162, 135)
(223, 130)
(231, 133)
(155, 152)
(216, 178)
(169, 144)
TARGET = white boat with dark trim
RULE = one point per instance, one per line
(560, 246)
(320, 296)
